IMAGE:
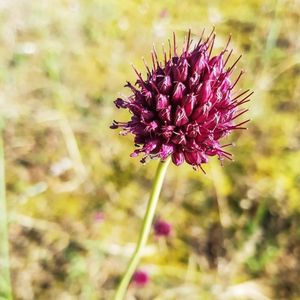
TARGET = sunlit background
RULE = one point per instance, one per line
(75, 197)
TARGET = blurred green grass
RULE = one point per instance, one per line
(236, 230)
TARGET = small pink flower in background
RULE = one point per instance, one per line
(99, 217)
(162, 228)
(164, 13)
(141, 278)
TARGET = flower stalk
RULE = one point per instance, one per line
(146, 228)
(5, 282)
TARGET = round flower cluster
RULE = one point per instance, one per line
(140, 278)
(162, 228)
(185, 105)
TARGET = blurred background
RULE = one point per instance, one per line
(75, 197)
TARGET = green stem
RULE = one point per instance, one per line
(5, 283)
(146, 228)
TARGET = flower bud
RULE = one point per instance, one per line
(165, 84)
(178, 158)
(140, 278)
(178, 93)
(162, 228)
(200, 64)
(194, 81)
(180, 116)
(181, 71)
(120, 103)
(161, 102)
(205, 92)
(166, 150)
(195, 158)
(190, 102)
(165, 114)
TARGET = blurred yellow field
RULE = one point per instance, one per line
(76, 199)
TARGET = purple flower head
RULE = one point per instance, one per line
(162, 228)
(140, 278)
(185, 105)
